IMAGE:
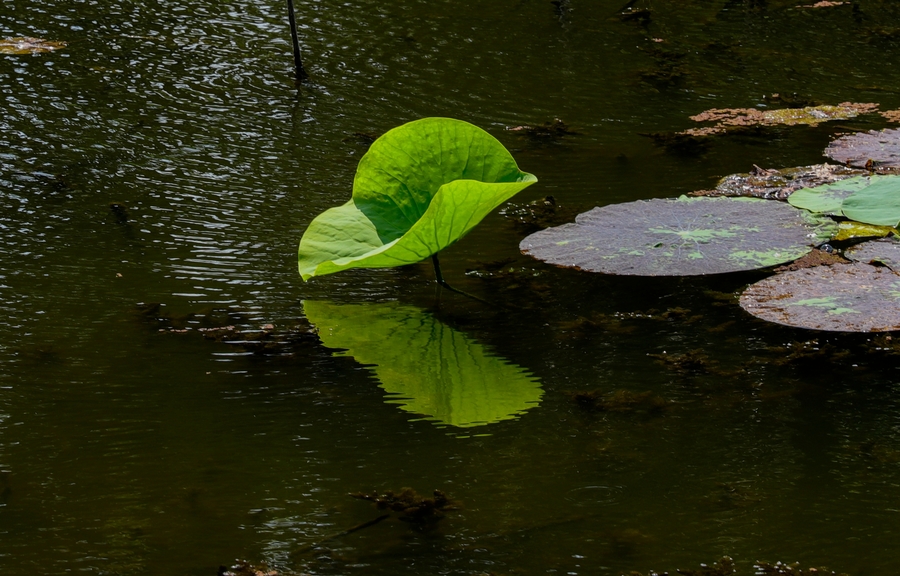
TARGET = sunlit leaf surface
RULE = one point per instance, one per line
(419, 188)
(680, 237)
(426, 366)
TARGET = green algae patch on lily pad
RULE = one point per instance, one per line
(426, 367)
(681, 237)
(854, 297)
(421, 187)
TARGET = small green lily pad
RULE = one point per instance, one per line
(853, 297)
(829, 198)
(425, 366)
(681, 237)
(885, 252)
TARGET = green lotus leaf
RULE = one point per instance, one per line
(426, 366)
(828, 198)
(421, 187)
(878, 203)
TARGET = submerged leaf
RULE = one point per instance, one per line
(26, 45)
(419, 188)
(845, 298)
(426, 366)
(680, 237)
(879, 150)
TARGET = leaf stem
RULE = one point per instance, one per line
(439, 278)
(298, 62)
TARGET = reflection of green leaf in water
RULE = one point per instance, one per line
(427, 366)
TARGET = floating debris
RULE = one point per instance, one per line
(817, 257)
(244, 568)
(781, 183)
(538, 214)
(548, 131)
(620, 401)
(872, 150)
(891, 115)
(28, 45)
(727, 119)
(781, 569)
(823, 4)
(410, 506)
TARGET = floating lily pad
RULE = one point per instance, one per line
(871, 200)
(885, 252)
(25, 45)
(843, 298)
(873, 149)
(681, 237)
(426, 366)
(828, 198)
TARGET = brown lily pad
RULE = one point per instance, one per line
(840, 298)
(884, 252)
(680, 237)
(780, 183)
(27, 45)
(869, 150)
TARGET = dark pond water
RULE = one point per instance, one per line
(156, 176)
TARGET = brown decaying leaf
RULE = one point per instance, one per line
(27, 45)
(735, 118)
(823, 4)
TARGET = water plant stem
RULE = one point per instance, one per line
(298, 62)
(342, 533)
(439, 278)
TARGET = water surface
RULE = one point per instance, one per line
(156, 176)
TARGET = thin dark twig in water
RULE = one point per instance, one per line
(350, 530)
(295, 42)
